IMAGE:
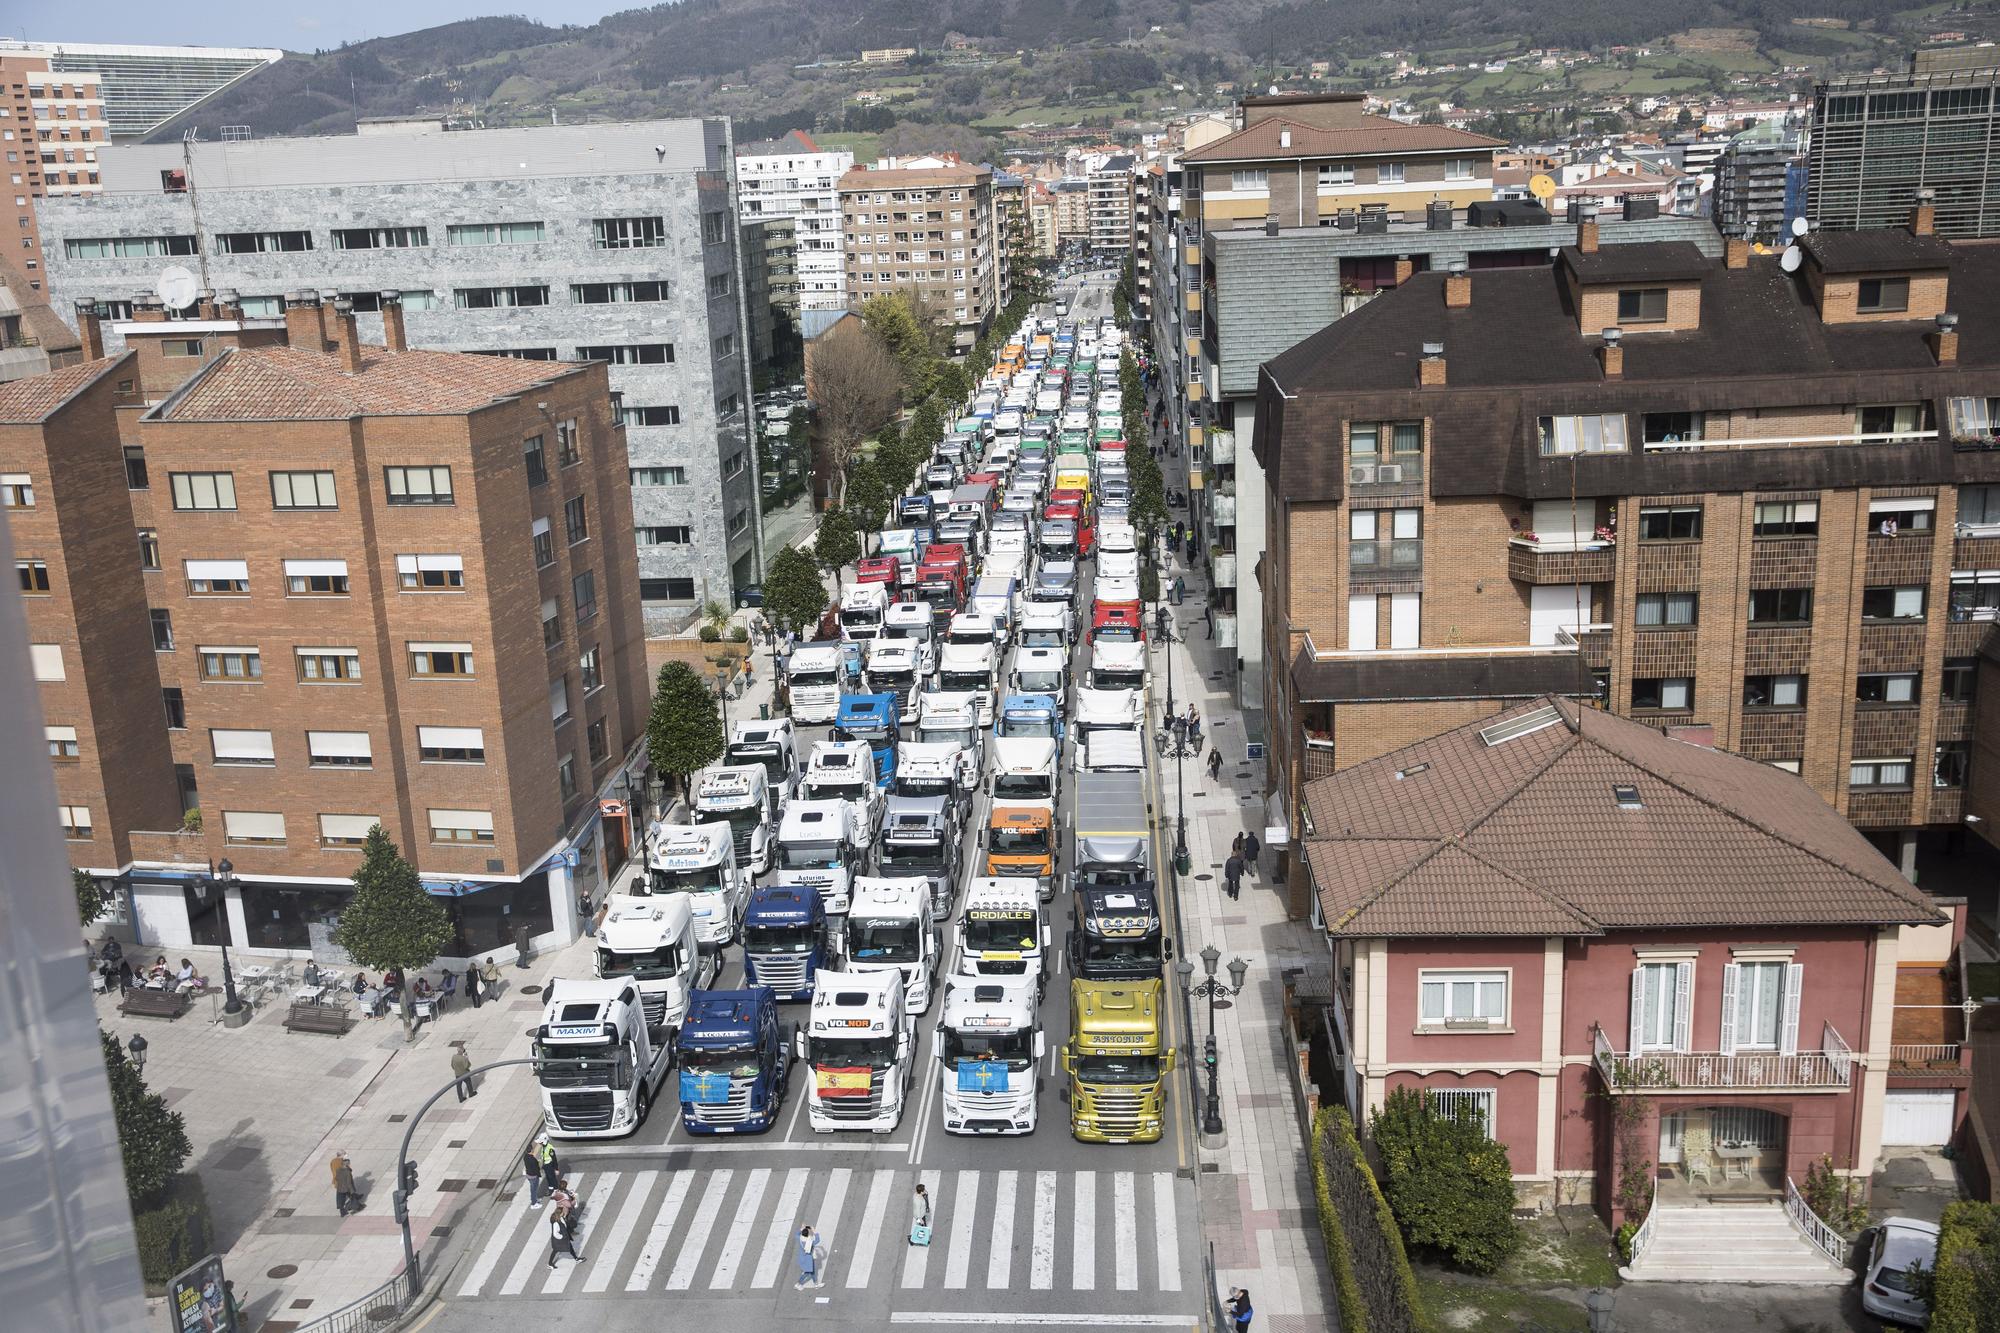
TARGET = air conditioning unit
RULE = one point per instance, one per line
(1361, 474)
(1389, 472)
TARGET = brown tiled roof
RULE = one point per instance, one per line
(1378, 135)
(911, 178)
(33, 399)
(1452, 836)
(294, 384)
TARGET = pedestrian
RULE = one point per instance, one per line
(562, 1238)
(920, 1216)
(461, 1070)
(1214, 764)
(586, 911)
(1240, 1312)
(810, 1254)
(345, 1197)
(1194, 728)
(531, 1167)
(1160, 620)
(472, 986)
(1180, 589)
(551, 1166)
(1236, 846)
(1208, 619)
(489, 976)
(1251, 847)
(1232, 875)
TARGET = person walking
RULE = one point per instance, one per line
(461, 1071)
(472, 986)
(1194, 728)
(531, 1167)
(1240, 1312)
(1236, 845)
(1214, 765)
(810, 1254)
(1232, 875)
(920, 1216)
(586, 912)
(345, 1197)
(562, 1237)
(489, 976)
(1208, 619)
(1250, 849)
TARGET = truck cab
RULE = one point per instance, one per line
(819, 849)
(950, 717)
(1117, 1061)
(894, 671)
(1111, 620)
(1047, 625)
(1026, 772)
(989, 1056)
(816, 676)
(1003, 933)
(891, 928)
(968, 669)
(846, 771)
(740, 796)
(919, 836)
(785, 940)
(649, 940)
(1020, 840)
(1117, 665)
(1116, 711)
(925, 771)
(735, 1061)
(873, 720)
(859, 1046)
(771, 745)
(1115, 932)
(599, 1063)
(699, 860)
(913, 624)
(862, 606)
(1042, 672)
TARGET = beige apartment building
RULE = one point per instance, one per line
(928, 229)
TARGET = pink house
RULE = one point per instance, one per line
(1634, 957)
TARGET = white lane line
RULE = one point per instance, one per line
(1042, 1260)
(650, 1253)
(817, 1143)
(918, 1259)
(1083, 1233)
(1098, 1319)
(606, 1256)
(873, 1218)
(497, 1243)
(1000, 1261)
(796, 1116)
(826, 1222)
(600, 1196)
(958, 1263)
(532, 1253)
(1166, 1234)
(784, 1221)
(737, 1238)
(698, 1232)
(1125, 1230)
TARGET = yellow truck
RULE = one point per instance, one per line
(1117, 1061)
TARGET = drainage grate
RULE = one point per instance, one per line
(284, 1212)
(487, 1182)
(439, 1233)
(451, 1186)
(1211, 1168)
(456, 1143)
(398, 1118)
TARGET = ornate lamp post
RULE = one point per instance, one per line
(232, 1004)
(137, 1046)
(1210, 987)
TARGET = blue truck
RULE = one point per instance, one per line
(872, 718)
(1029, 715)
(784, 940)
(735, 1062)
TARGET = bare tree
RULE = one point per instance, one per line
(852, 380)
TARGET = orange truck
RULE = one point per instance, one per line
(1020, 840)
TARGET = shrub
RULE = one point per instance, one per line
(1623, 1238)
(1834, 1198)
(1965, 1286)
(1449, 1184)
(1372, 1283)
(709, 634)
(175, 1232)
(739, 634)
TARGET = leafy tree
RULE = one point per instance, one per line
(794, 594)
(91, 899)
(152, 1136)
(953, 387)
(926, 426)
(867, 495)
(896, 319)
(837, 545)
(1450, 1186)
(390, 922)
(896, 459)
(684, 733)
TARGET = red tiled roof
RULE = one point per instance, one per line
(292, 384)
(33, 399)
(1379, 135)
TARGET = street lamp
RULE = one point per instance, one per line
(1597, 1304)
(1211, 987)
(224, 876)
(137, 1046)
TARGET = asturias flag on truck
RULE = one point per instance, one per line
(982, 1076)
(842, 1082)
(704, 1087)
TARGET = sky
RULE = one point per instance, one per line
(302, 25)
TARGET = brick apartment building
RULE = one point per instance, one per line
(1749, 505)
(302, 585)
(946, 250)
(52, 127)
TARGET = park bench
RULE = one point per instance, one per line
(142, 1003)
(314, 1016)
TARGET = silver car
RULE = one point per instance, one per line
(1886, 1290)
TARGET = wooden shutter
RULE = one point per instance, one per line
(1683, 1003)
(1788, 1032)
(1730, 972)
(1638, 1010)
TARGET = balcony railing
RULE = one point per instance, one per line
(1824, 1238)
(1829, 1069)
(1377, 561)
(1222, 569)
(1561, 560)
(1318, 758)
(1789, 441)
(1940, 1057)
(1398, 470)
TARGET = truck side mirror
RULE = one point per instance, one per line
(799, 1045)
(1068, 1060)
(1168, 945)
(1167, 1065)
(1041, 1047)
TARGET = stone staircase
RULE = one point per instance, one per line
(1738, 1243)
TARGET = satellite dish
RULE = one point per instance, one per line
(1798, 226)
(1542, 187)
(1791, 259)
(176, 288)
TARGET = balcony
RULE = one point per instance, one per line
(1829, 1069)
(1592, 641)
(1223, 569)
(1403, 474)
(1317, 758)
(1561, 561)
(1222, 446)
(1222, 509)
(1390, 561)
(1791, 441)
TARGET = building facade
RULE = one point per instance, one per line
(52, 126)
(146, 88)
(929, 231)
(616, 243)
(1877, 139)
(1755, 197)
(793, 177)
(771, 285)
(1072, 211)
(1112, 208)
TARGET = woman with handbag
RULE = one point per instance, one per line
(920, 1216)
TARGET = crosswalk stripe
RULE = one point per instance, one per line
(699, 1230)
(873, 1216)
(531, 1253)
(958, 1260)
(738, 1237)
(1125, 1230)
(1083, 1233)
(1000, 1263)
(1166, 1234)
(826, 1223)
(1042, 1263)
(613, 1249)
(918, 1259)
(600, 1196)
(784, 1222)
(496, 1244)
(650, 1253)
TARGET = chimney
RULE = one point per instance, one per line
(1586, 235)
(148, 309)
(1735, 252)
(228, 304)
(304, 321)
(1430, 370)
(1923, 218)
(394, 337)
(1943, 340)
(346, 340)
(90, 328)
(1610, 356)
(1457, 290)
(1406, 269)
(1270, 224)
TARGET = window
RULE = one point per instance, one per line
(551, 622)
(175, 706)
(494, 233)
(339, 749)
(575, 526)
(1460, 168)
(1974, 417)
(234, 664)
(440, 659)
(1891, 773)
(1958, 680)
(617, 293)
(34, 577)
(629, 354)
(316, 578)
(725, 347)
(75, 822)
(451, 745)
(1892, 603)
(1667, 693)
(718, 285)
(1389, 173)
(714, 228)
(203, 490)
(651, 416)
(380, 238)
(583, 589)
(1668, 523)
(566, 777)
(666, 590)
(130, 247)
(135, 468)
(149, 549)
(254, 827)
(430, 573)
(536, 459)
(1583, 435)
(1975, 594)
(1642, 305)
(569, 451)
(593, 676)
(1949, 763)
(1774, 691)
(545, 544)
(495, 298)
(597, 741)
(1882, 295)
(631, 233)
(1763, 1016)
(520, 353)
(17, 490)
(163, 629)
(183, 347)
(320, 666)
(302, 490)
(726, 406)
(1979, 511)
(419, 485)
(672, 535)
(1660, 1006)
(1668, 610)
(222, 578)
(262, 242)
(1250, 178)
(559, 700)
(1462, 999)
(1886, 687)
(62, 744)
(1479, 1103)
(1890, 518)
(1889, 419)
(345, 830)
(1669, 428)
(1785, 518)
(1780, 606)
(242, 747)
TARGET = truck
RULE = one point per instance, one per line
(740, 796)
(989, 1056)
(919, 836)
(1117, 1060)
(815, 678)
(1042, 672)
(1117, 664)
(785, 940)
(950, 717)
(650, 940)
(994, 594)
(598, 1061)
(773, 746)
(941, 577)
(859, 1047)
(891, 927)
(926, 770)
(1047, 625)
(1115, 928)
(1026, 772)
(915, 624)
(735, 1062)
(862, 606)
(1003, 934)
(1105, 710)
(819, 848)
(968, 669)
(699, 860)
(894, 671)
(1029, 715)
(845, 771)
(873, 719)
(1020, 840)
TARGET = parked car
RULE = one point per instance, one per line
(1886, 1289)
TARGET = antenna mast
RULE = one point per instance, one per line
(194, 206)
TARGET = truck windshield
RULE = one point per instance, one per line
(1117, 1069)
(593, 1064)
(765, 757)
(1042, 638)
(736, 1064)
(797, 937)
(1001, 932)
(1100, 950)
(915, 786)
(890, 676)
(811, 679)
(661, 962)
(965, 680)
(850, 1052)
(744, 821)
(809, 855)
(837, 789)
(1022, 787)
(1013, 838)
(1039, 682)
(860, 615)
(1014, 1049)
(933, 734)
(706, 880)
(1017, 724)
(913, 855)
(883, 941)
(1116, 678)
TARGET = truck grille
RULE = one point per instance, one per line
(779, 971)
(902, 696)
(732, 1112)
(655, 1005)
(741, 838)
(855, 1108)
(1118, 1113)
(1003, 967)
(581, 1110)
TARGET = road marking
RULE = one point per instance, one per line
(1000, 1262)
(782, 1226)
(958, 1263)
(621, 1231)
(531, 1254)
(1166, 1234)
(919, 1257)
(737, 1239)
(699, 1230)
(1042, 1260)
(872, 1218)
(497, 1243)
(1122, 1319)
(826, 1223)
(559, 1274)
(656, 1239)
(795, 1116)
(1083, 1233)
(1125, 1230)
(819, 1143)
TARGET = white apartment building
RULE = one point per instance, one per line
(794, 177)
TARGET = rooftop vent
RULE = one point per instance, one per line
(1627, 797)
(1412, 771)
(1535, 719)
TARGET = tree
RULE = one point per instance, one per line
(390, 922)
(867, 495)
(684, 733)
(926, 426)
(152, 1136)
(91, 899)
(794, 594)
(896, 459)
(837, 545)
(1449, 1184)
(851, 379)
(896, 318)
(953, 387)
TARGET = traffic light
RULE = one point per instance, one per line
(409, 1177)
(402, 1206)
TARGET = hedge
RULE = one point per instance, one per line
(1372, 1283)
(176, 1233)
(1961, 1290)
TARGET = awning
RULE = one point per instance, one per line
(1903, 504)
(238, 570)
(300, 569)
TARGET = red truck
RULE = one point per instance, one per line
(885, 569)
(942, 577)
(1117, 621)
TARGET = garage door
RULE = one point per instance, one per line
(1918, 1117)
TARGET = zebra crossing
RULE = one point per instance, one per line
(730, 1230)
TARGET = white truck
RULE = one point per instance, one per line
(1047, 625)
(740, 796)
(947, 717)
(1117, 664)
(1046, 671)
(989, 1057)
(890, 928)
(1105, 710)
(859, 1046)
(773, 746)
(845, 771)
(862, 606)
(1025, 772)
(968, 669)
(649, 939)
(1003, 933)
(916, 623)
(599, 1063)
(925, 769)
(699, 860)
(895, 667)
(819, 849)
(815, 678)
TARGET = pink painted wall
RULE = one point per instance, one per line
(1516, 1110)
(1410, 957)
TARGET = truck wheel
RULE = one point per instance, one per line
(645, 1105)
